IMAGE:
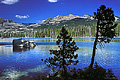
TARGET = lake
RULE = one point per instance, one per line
(23, 62)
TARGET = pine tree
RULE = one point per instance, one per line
(64, 56)
(105, 27)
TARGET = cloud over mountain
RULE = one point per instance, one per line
(9, 2)
(22, 17)
(53, 0)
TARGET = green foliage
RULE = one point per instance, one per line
(64, 56)
(95, 73)
(106, 28)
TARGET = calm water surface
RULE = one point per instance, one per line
(16, 63)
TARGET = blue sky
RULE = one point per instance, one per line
(34, 11)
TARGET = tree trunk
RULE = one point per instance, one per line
(94, 47)
(89, 31)
(65, 71)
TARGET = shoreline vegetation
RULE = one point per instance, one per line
(48, 39)
(84, 31)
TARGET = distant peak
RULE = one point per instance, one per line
(70, 15)
(58, 16)
(86, 15)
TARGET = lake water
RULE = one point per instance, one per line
(23, 62)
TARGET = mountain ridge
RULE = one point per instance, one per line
(65, 18)
(61, 19)
(70, 20)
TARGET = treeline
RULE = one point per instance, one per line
(78, 31)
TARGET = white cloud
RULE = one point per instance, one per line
(9, 2)
(22, 17)
(53, 0)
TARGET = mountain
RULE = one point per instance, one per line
(59, 18)
(59, 21)
(117, 19)
(27, 24)
(86, 16)
(7, 25)
(69, 20)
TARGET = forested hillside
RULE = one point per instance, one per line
(76, 26)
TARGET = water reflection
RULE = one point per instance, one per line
(5, 50)
(21, 49)
(14, 74)
(30, 58)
